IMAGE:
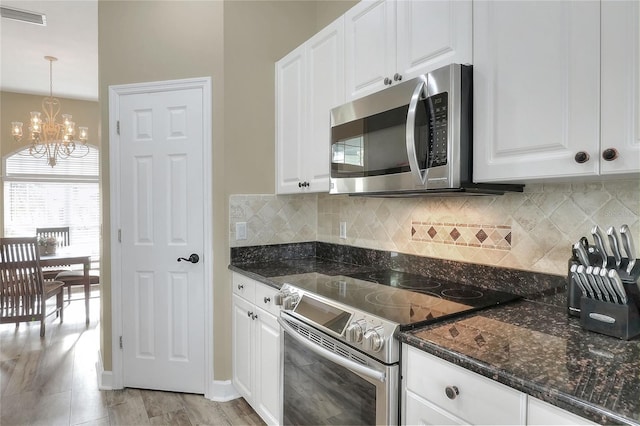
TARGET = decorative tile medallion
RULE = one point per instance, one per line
(497, 237)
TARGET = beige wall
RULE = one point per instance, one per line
(235, 42)
(17, 106)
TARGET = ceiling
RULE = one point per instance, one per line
(70, 34)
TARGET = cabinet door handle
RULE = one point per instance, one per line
(250, 314)
(610, 154)
(267, 299)
(581, 157)
(240, 286)
(397, 77)
(387, 81)
(452, 392)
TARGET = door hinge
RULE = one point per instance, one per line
(118, 127)
(120, 342)
(119, 235)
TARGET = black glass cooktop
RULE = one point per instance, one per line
(407, 299)
(469, 295)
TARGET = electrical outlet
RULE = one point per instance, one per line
(241, 231)
(343, 230)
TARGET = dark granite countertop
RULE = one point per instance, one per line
(528, 345)
(538, 349)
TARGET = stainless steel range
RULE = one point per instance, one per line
(340, 359)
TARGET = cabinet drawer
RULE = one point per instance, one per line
(244, 287)
(422, 412)
(265, 298)
(479, 400)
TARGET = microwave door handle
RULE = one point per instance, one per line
(410, 132)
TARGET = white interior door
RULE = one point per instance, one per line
(162, 204)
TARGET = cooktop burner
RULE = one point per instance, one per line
(407, 299)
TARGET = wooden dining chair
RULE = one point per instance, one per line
(76, 278)
(24, 292)
(62, 236)
(60, 233)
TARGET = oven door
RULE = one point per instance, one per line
(326, 382)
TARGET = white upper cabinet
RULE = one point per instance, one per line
(539, 108)
(387, 41)
(309, 82)
(620, 86)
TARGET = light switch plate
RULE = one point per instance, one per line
(241, 231)
(343, 230)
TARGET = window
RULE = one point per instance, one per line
(37, 195)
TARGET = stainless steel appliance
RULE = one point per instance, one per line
(340, 360)
(414, 138)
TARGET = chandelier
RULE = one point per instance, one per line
(50, 138)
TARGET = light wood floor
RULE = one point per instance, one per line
(53, 382)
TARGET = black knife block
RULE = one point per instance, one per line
(612, 319)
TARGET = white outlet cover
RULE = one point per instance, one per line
(343, 230)
(241, 231)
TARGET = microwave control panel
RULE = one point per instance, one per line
(437, 110)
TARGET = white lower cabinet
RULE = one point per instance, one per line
(256, 347)
(543, 413)
(436, 392)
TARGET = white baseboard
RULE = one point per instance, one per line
(222, 391)
(105, 378)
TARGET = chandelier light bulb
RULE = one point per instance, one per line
(16, 129)
(84, 134)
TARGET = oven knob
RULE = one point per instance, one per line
(290, 301)
(372, 340)
(355, 331)
(279, 297)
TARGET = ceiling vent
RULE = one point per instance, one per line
(23, 15)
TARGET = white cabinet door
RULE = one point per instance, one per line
(542, 413)
(290, 113)
(621, 85)
(325, 90)
(419, 411)
(242, 347)
(370, 46)
(536, 89)
(309, 82)
(267, 358)
(432, 34)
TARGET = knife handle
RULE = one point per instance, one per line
(617, 284)
(615, 246)
(583, 257)
(585, 282)
(599, 239)
(627, 243)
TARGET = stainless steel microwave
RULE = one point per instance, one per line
(413, 138)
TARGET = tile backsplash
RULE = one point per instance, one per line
(533, 230)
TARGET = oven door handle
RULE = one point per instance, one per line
(410, 137)
(346, 363)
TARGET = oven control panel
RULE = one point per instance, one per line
(366, 332)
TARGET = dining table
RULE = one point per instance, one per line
(66, 256)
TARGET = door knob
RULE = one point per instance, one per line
(194, 258)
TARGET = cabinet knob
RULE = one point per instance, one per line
(610, 154)
(250, 314)
(581, 157)
(452, 392)
(240, 286)
(397, 77)
(267, 299)
(387, 81)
